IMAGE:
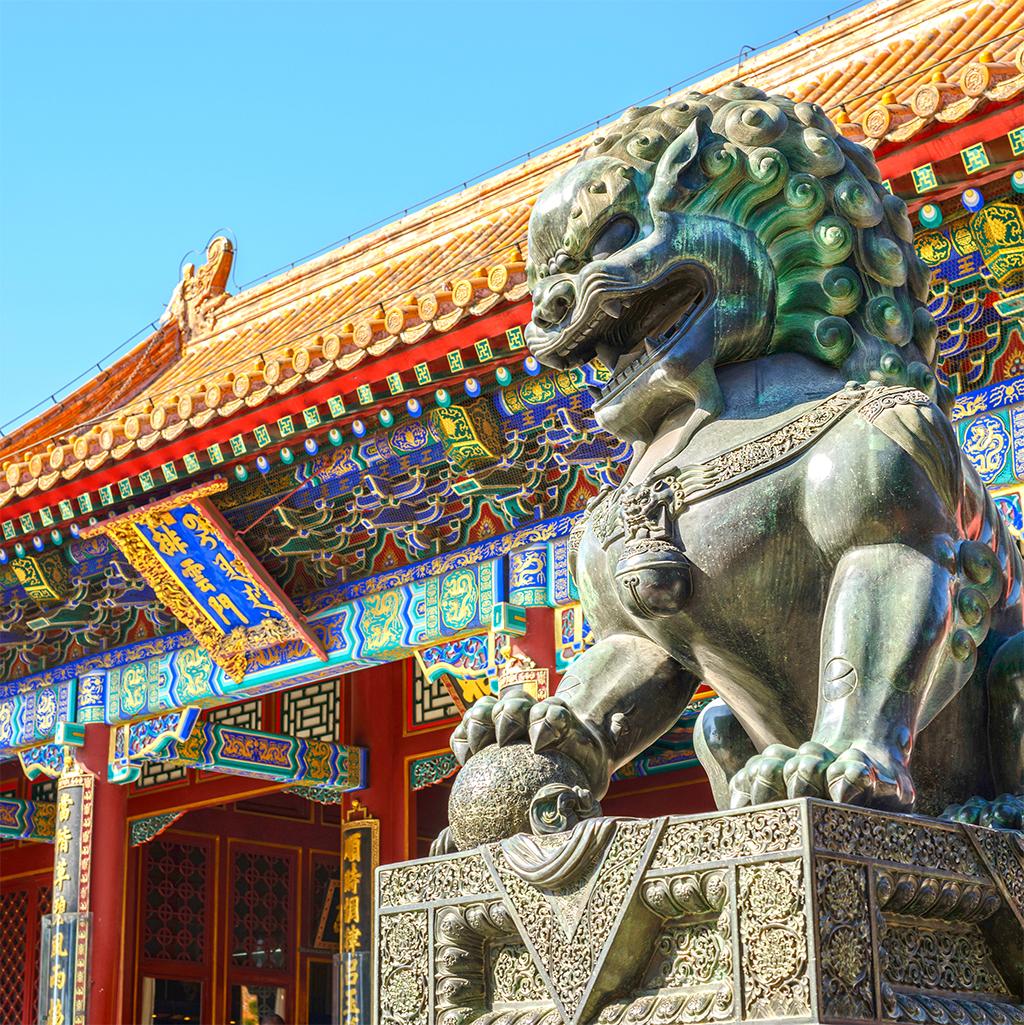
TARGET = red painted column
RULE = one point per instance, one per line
(538, 642)
(529, 572)
(107, 882)
(374, 720)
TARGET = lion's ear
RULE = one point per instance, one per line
(678, 173)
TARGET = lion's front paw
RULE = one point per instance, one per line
(1003, 812)
(547, 725)
(850, 777)
(491, 720)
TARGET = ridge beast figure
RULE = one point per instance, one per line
(797, 526)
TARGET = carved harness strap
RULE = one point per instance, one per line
(619, 518)
(652, 570)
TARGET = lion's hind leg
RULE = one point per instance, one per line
(722, 748)
(899, 641)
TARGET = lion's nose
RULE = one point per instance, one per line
(553, 303)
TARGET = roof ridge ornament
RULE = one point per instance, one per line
(199, 294)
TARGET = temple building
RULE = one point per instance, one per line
(255, 570)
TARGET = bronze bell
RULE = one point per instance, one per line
(654, 577)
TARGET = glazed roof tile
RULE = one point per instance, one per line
(896, 66)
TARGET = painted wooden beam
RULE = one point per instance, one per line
(42, 760)
(365, 623)
(319, 765)
(27, 820)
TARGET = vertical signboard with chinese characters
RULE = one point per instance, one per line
(360, 854)
(63, 979)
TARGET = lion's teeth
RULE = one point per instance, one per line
(612, 308)
(650, 346)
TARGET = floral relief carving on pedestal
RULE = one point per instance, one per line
(514, 977)
(462, 935)
(1003, 852)
(720, 837)
(571, 962)
(745, 917)
(773, 940)
(934, 958)
(895, 838)
(847, 984)
(419, 881)
(404, 981)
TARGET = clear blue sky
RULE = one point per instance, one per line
(130, 132)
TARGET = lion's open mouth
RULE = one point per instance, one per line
(627, 366)
(627, 330)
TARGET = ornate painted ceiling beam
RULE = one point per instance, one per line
(375, 621)
(315, 764)
(377, 628)
(148, 740)
(143, 830)
(42, 760)
(26, 820)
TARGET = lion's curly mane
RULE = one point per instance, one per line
(851, 290)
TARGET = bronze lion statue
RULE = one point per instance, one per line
(797, 525)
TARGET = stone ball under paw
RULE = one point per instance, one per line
(490, 799)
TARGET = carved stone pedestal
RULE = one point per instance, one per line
(804, 910)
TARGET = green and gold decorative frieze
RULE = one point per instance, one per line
(44, 577)
(26, 820)
(472, 435)
(315, 764)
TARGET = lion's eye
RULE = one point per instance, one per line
(615, 235)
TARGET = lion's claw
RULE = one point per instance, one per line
(857, 778)
(479, 722)
(761, 779)
(813, 770)
(550, 724)
(491, 721)
(459, 744)
(805, 770)
(512, 719)
(444, 843)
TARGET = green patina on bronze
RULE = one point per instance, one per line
(797, 526)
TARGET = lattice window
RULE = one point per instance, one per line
(176, 911)
(156, 773)
(311, 711)
(431, 703)
(13, 930)
(44, 790)
(260, 904)
(246, 715)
